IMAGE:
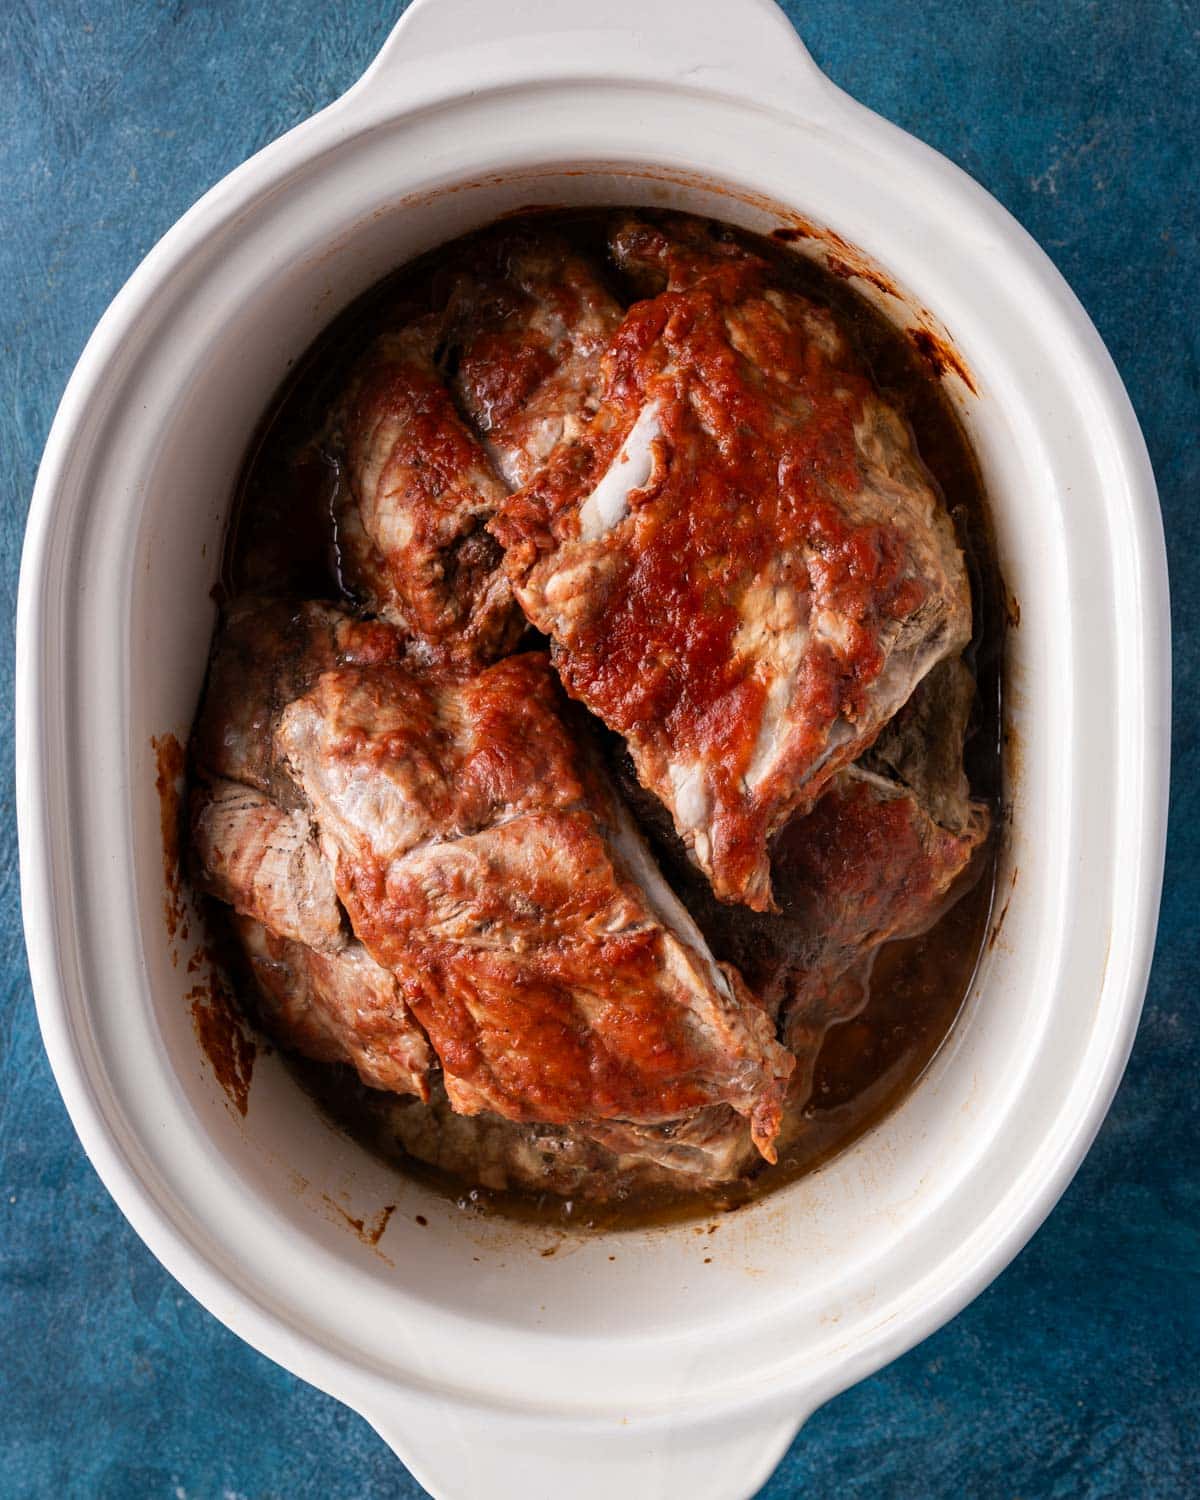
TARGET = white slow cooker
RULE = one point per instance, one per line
(668, 1362)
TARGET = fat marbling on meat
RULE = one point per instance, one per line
(742, 562)
(488, 872)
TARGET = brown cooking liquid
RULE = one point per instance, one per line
(281, 537)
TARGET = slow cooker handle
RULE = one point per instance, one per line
(457, 1455)
(743, 47)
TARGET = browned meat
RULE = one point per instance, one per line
(742, 562)
(411, 515)
(712, 1148)
(264, 862)
(519, 930)
(868, 864)
(922, 746)
(266, 654)
(532, 322)
(877, 855)
(337, 1007)
(483, 860)
(880, 857)
(709, 1147)
(253, 846)
(494, 1152)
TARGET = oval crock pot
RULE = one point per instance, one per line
(665, 1362)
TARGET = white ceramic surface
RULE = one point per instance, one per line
(625, 1364)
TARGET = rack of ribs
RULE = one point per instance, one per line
(741, 562)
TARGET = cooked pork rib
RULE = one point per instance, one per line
(922, 746)
(876, 856)
(804, 962)
(711, 1146)
(483, 861)
(491, 1151)
(526, 322)
(741, 562)
(568, 1161)
(419, 489)
(337, 1007)
(253, 846)
(867, 865)
(531, 324)
(887, 867)
(877, 859)
(266, 654)
(264, 862)
(482, 858)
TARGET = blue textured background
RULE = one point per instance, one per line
(1078, 1373)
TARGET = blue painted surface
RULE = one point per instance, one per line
(1076, 1374)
